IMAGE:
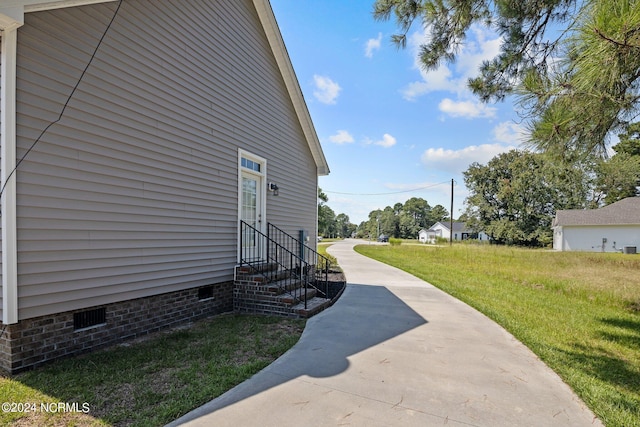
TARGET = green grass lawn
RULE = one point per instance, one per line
(322, 250)
(154, 381)
(579, 312)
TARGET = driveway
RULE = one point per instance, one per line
(396, 351)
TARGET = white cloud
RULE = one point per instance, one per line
(326, 89)
(510, 133)
(468, 109)
(481, 45)
(342, 137)
(371, 45)
(457, 161)
(386, 141)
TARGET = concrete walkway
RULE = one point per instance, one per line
(395, 351)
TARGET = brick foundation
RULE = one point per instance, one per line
(32, 342)
(256, 298)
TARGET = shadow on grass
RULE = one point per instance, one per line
(627, 332)
(621, 383)
(363, 317)
(598, 363)
(619, 377)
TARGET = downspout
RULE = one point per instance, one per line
(10, 20)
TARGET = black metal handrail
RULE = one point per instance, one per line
(321, 264)
(258, 249)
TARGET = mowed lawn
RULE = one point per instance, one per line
(148, 382)
(579, 312)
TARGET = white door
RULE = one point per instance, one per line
(252, 207)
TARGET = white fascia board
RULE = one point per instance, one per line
(268, 20)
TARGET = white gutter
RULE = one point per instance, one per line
(10, 20)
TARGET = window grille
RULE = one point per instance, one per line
(85, 319)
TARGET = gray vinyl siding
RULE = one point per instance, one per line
(134, 191)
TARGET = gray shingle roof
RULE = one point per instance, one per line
(457, 226)
(623, 212)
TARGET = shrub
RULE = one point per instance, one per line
(395, 242)
(441, 240)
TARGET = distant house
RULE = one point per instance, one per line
(607, 229)
(124, 217)
(442, 229)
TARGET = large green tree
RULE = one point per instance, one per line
(344, 226)
(592, 91)
(438, 214)
(619, 176)
(414, 216)
(629, 140)
(402, 220)
(514, 197)
(327, 225)
(574, 63)
(326, 216)
(381, 221)
(528, 29)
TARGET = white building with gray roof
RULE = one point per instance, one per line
(612, 228)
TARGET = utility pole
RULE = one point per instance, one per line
(451, 217)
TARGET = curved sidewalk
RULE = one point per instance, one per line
(396, 351)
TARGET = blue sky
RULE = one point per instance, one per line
(390, 131)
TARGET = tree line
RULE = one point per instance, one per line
(402, 220)
(515, 196)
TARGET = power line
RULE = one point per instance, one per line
(73, 91)
(385, 194)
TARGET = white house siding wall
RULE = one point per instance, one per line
(441, 231)
(589, 238)
(558, 238)
(134, 192)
